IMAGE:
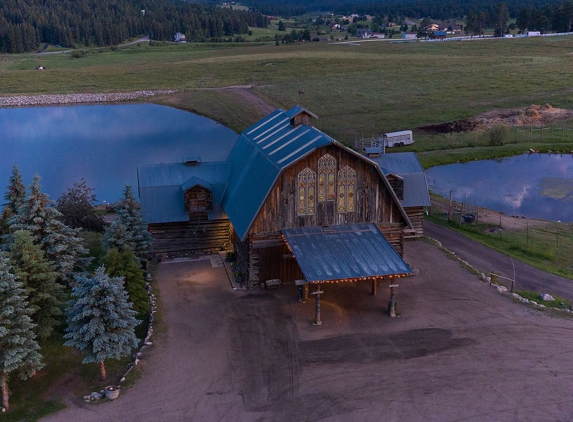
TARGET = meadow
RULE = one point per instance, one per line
(356, 90)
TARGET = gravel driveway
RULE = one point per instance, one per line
(459, 352)
(487, 260)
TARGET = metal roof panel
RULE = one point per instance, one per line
(344, 252)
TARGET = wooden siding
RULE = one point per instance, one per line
(374, 203)
(198, 202)
(302, 119)
(190, 237)
(416, 215)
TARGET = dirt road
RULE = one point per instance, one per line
(487, 260)
(460, 351)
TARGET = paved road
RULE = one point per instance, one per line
(487, 260)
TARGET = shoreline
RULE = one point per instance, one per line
(74, 99)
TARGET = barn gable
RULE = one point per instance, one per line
(264, 151)
(260, 154)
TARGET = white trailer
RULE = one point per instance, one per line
(398, 139)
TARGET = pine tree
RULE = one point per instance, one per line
(101, 321)
(39, 278)
(115, 237)
(62, 244)
(15, 198)
(123, 264)
(136, 235)
(19, 350)
(16, 194)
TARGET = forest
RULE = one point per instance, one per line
(25, 24)
(434, 9)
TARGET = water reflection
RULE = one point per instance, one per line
(537, 185)
(104, 144)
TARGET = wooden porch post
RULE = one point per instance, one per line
(305, 292)
(392, 302)
(318, 292)
(374, 286)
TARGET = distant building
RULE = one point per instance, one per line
(438, 35)
(180, 37)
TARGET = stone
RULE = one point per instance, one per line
(515, 296)
(541, 305)
(501, 289)
(546, 297)
(96, 396)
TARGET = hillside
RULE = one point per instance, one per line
(24, 24)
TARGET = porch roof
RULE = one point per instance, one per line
(344, 253)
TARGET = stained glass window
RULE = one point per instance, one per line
(326, 178)
(346, 190)
(306, 192)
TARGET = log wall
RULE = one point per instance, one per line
(190, 237)
(416, 215)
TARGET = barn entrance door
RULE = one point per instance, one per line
(276, 262)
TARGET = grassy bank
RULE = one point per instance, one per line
(548, 247)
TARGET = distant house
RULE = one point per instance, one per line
(363, 32)
(409, 35)
(438, 35)
(180, 37)
(533, 33)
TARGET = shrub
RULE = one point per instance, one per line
(497, 135)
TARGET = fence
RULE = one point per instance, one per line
(546, 242)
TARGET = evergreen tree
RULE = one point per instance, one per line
(101, 321)
(77, 208)
(61, 243)
(39, 278)
(15, 198)
(137, 238)
(19, 350)
(115, 237)
(123, 264)
(16, 194)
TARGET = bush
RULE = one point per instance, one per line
(497, 135)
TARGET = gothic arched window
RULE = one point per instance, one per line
(326, 178)
(306, 192)
(346, 190)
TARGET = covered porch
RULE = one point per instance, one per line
(345, 253)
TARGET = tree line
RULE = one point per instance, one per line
(435, 9)
(25, 24)
(43, 262)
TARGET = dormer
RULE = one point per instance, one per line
(198, 198)
(300, 116)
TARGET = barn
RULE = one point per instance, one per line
(294, 204)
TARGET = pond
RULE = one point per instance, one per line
(103, 144)
(531, 185)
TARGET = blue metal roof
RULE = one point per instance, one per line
(161, 188)
(407, 166)
(260, 154)
(344, 252)
(373, 150)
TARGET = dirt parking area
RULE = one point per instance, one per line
(460, 351)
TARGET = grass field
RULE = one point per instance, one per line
(356, 90)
